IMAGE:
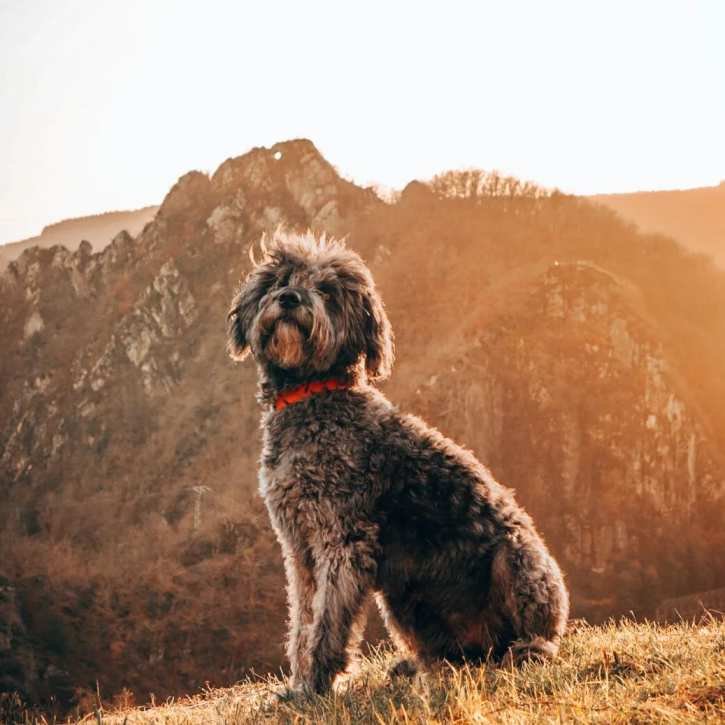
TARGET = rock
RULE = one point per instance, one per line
(186, 195)
(164, 312)
(33, 325)
(226, 224)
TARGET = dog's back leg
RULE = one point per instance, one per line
(528, 588)
(421, 634)
(357, 632)
(407, 663)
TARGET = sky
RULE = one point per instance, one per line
(104, 104)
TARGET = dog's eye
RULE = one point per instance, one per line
(325, 290)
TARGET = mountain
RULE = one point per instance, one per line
(98, 229)
(580, 359)
(695, 217)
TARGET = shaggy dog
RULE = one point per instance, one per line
(366, 499)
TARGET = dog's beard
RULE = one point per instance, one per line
(285, 346)
(304, 340)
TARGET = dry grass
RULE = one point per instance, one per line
(617, 673)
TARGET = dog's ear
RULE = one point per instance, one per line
(379, 354)
(237, 329)
(243, 310)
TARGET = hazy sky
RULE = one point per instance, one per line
(104, 104)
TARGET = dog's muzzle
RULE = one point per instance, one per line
(289, 299)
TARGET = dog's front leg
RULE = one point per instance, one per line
(300, 591)
(344, 576)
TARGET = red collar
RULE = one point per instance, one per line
(302, 392)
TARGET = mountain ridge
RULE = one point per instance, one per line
(98, 229)
(695, 217)
(532, 327)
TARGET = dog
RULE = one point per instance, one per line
(366, 500)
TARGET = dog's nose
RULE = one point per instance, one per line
(289, 299)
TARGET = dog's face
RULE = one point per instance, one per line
(310, 306)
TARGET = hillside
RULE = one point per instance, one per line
(98, 229)
(695, 217)
(616, 673)
(579, 359)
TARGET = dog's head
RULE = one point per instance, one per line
(310, 307)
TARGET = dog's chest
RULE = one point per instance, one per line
(311, 471)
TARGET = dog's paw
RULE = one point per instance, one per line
(345, 680)
(403, 668)
(292, 694)
(538, 650)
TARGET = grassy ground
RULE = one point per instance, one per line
(617, 673)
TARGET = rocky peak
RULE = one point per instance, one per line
(289, 183)
(265, 168)
(119, 251)
(28, 262)
(191, 191)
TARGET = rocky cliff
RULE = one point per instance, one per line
(135, 550)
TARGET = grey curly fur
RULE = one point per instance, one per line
(367, 500)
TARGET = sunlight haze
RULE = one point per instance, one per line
(105, 104)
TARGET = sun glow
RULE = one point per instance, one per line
(106, 104)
